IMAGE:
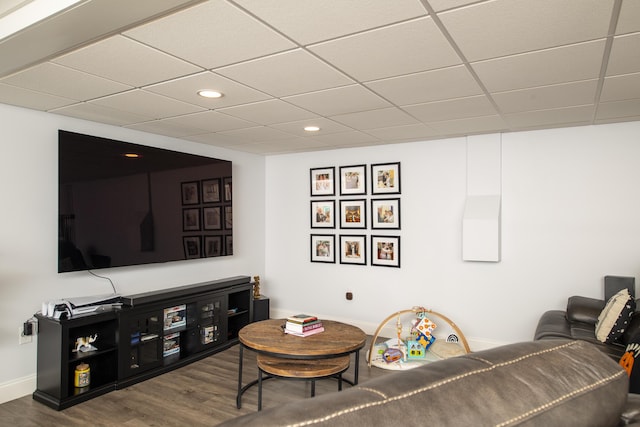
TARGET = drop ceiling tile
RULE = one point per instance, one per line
(469, 126)
(570, 116)
(408, 47)
(453, 82)
(268, 112)
(544, 67)
(618, 109)
(373, 119)
(625, 55)
(209, 121)
(62, 81)
(287, 73)
(258, 134)
(459, 108)
(186, 89)
(403, 132)
(297, 128)
(547, 97)
(21, 97)
(211, 34)
(629, 20)
(162, 127)
(309, 22)
(504, 27)
(126, 61)
(440, 5)
(619, 88)
(213, 138)
(100, 114)
(330, 102)
(147, 104)
(342, 139)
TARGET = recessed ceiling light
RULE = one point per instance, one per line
(208, 93)
(132, 155)
(311, 128)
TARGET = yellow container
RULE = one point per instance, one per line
(82, 376)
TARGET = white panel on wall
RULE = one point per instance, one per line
(481, 229)
(484, 164)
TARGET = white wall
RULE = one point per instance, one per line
(28, 231)
(570, 215)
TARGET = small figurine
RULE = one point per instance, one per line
(83, 344)
(256, 287)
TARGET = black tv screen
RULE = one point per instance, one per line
(123, 204)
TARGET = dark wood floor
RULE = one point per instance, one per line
(200, 394)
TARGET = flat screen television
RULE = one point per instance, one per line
(122, 204)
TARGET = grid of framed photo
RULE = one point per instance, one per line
(364, 204)
(207, 218)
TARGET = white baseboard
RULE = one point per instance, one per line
(17, 388)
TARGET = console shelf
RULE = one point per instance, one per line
(152, 333)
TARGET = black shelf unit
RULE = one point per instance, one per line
(151, 334)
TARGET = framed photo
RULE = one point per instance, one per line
(228, 218)
(385, 213)
(353, 180)
(385, 178)
(228, 189)
(323, 248)
(191, 219)
(323, 214)
(228, 244)
(190, 193)
(322, 181)
(191, 247)
(353, 213)
(212, 218)
(353, 249)
(211, 190)
(212, 246)
(385, 251)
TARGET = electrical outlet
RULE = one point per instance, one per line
(23, 339)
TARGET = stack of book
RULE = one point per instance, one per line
(303, 325)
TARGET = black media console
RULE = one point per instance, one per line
(153, 333)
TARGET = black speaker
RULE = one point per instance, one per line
(260, 309)
(612, 284)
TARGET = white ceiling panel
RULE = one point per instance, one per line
(126, 61)
(341, 100)
(409, 47)
(288, 73)
(186, 89)
(547, 97)
(504, 27)
(65, 82)
(574, 62)
(364, 71)
(447, 83)
(268, 112)
(211, 34)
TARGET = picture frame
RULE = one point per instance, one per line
(353, 213)
(212, 218)
(385, 251)
(211, 190)
(227, 188)
(385, 178)
(353, 180)
(191, 219)
(323, 181)
(212, 246)
(190, 193)
(228, 218)
(323, 213)
(192, 248)
(353, 249)
(385, 213)
(228, 244)
(323, 248)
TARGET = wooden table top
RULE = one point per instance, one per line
(268, 336)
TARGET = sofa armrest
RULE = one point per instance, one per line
(584, 309)
(631, 411)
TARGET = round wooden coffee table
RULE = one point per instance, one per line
(268, 337)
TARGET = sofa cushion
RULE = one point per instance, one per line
(615, 316)
(629, 361)
(549, 382)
